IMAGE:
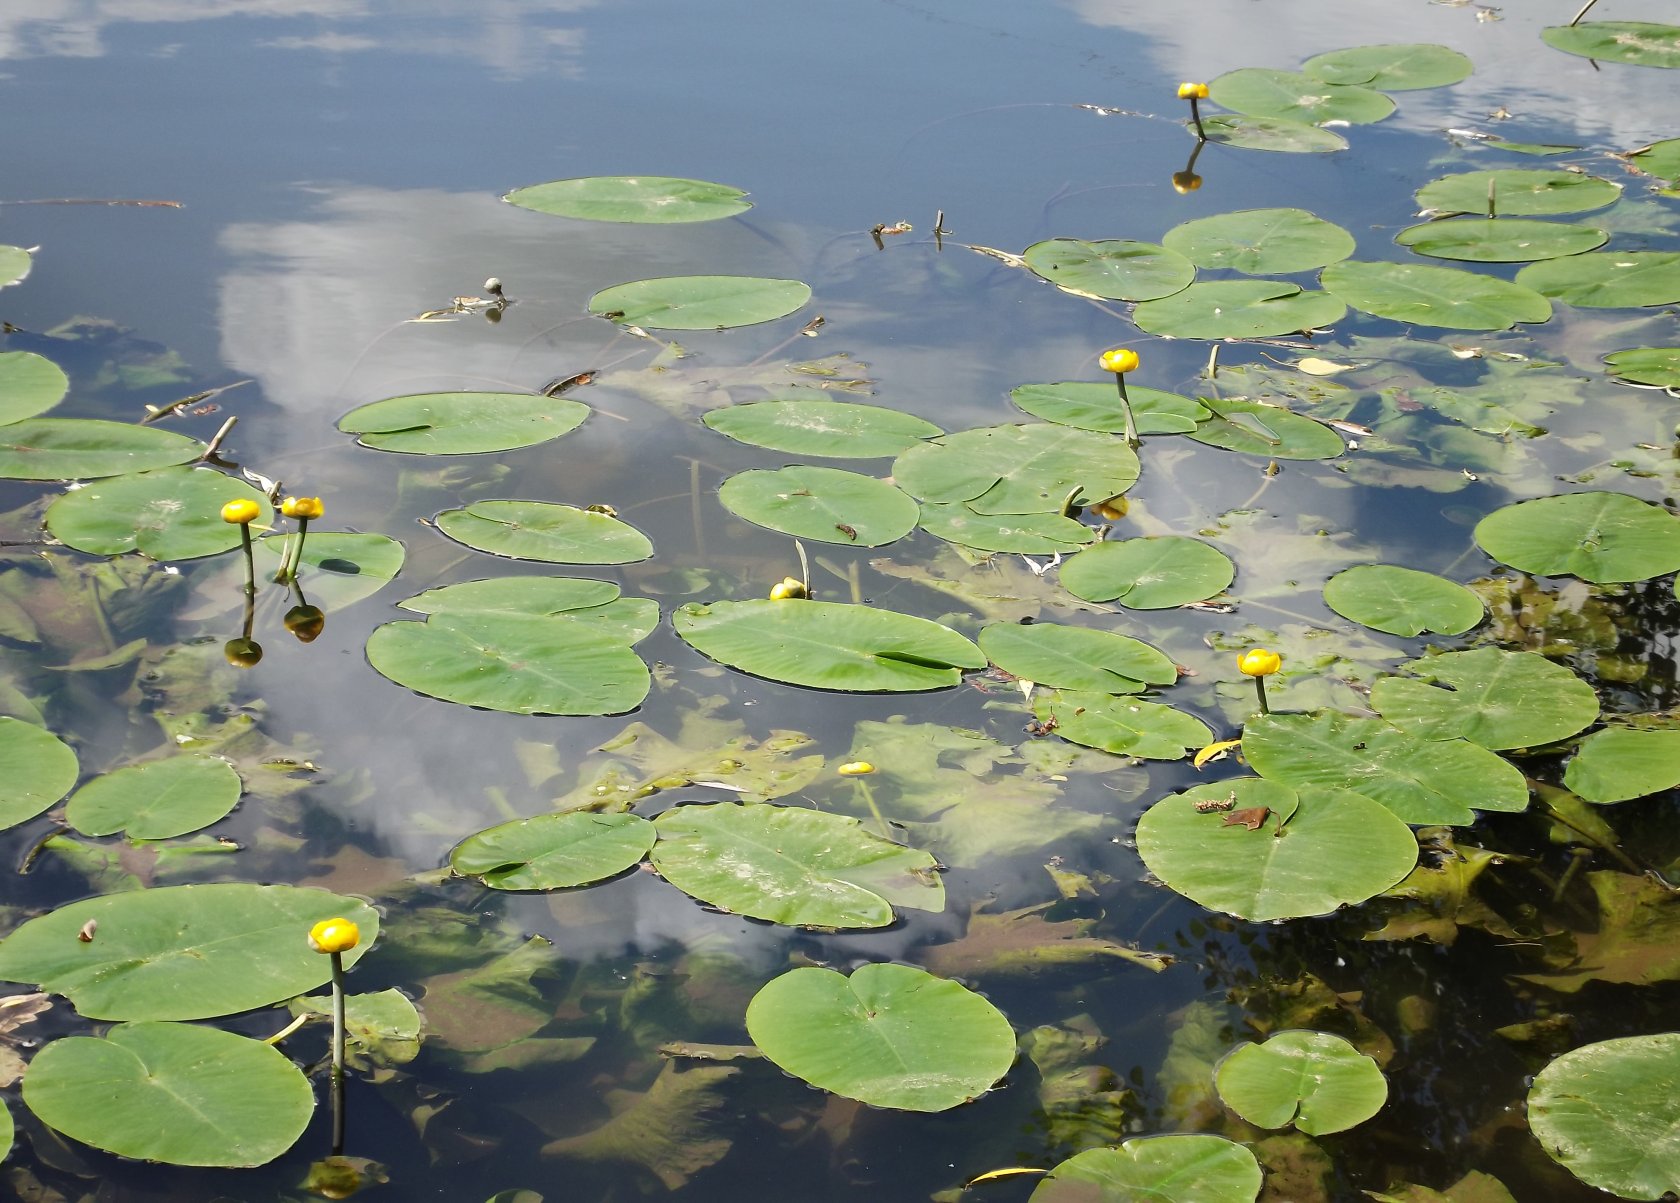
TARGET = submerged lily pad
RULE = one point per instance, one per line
(1639, 43)
(1434, 296)
(1616, 764)
(1091, 406)
(1063, 657)
(545, 531)
(1599, 537)
(30, 384)
(888, 1035)
(1609, 1113)
(1239, 309)
(1020, 534)
(1261, 242)
(786, 864)
(1402, 601)
(1256, 428)
(157, 799)
(1184, 1168)
(1295, 96)
(87, 448)
(169, 514)
(1608, 280)
(837, 429)
(462, 423)
(551, 852)
(829, 645)
(172, 1092)
(1658, 366)
(1396, 68)
(651, 199)
(1494, 698)
(1316, 1081)
(1118, 269)
(1034, 469)
(36, 770)
(1517, 192)
(699, 302)
(1154, 573)
(825, 504)
(1271, 133)
(15, 263)
(1500, 239)
(1121, 725)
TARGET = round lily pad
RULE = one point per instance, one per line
(1121, 725)
(1619, 763)
(1261, 242)
(1154, 573)
(30, 384)
(1517, 192)
(699, 302)
(786, 864)
(87, 448)
(1659, 366)
(1599, 537)
(1256, 428)
(546, 531)
(1184, 1168)
(15, 263)
(169, 514)
(1021, 534)
(1661, 159)
(1065, 657)
(888, 1035)
(157, 799)
(172, 1092)
(1398, 68)
(1434, 296)
(1239, 309)
(551, 852)
(650, 199)
(1494, 698)
(837, 429)
(1639, 43)
(1500, 239)
(1271, 133)
(335, 569)
(1295, 96)
(1091, 406)
(1402, 601)
(462, 423)
(1316, 1081)
(825, 504)
(36, 770)
(1609, 1113)
(1261, 850)
(1033, 469)
(593, 604)
(1608, 280)
(1117, 269)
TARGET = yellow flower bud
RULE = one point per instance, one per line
(1259, 662)
(855, 768)
(787, 589)
(1118, 360)
(1112, 510)
(1185, 181)
(242, 512)
(302, 507)
(242, 653)
(1192, 91)
(334, 935)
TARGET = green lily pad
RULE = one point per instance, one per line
(825, 504)
(1658, 366)
(1090, 406)
(1608, 280)
(1500, 239)
(336, 569)
(1315, 848)
(1035, 469)
(789, 865)
(169, 514)
(87, 448)
(172, 1092)
(157, 799)
(1185, 1168)
(1021, 534)
(462, 423)
(1295, 96)
(1398, 68)
(551, 852)
(1256, 428)
(888, 1035)
(593, 604)
(1616, 764)
(1661, 159)
(1497, 699)
(1434, 296)
(1118, 269)
(515, 663)
(699, 302)
(1639, 43)
(1402, 601)
(837, 429)
(1121, 725)
(1609, 1113)
(1423, 781)
(1063, 657)
(545, 531)
(30, 384)
(650, 199)
(1239, 309)
(1517, 192)
(1271, 133)
(829, 645)
(385, 1025)
(1261, 242)
(183, 952)
(36, 770)
(1599, 537)
(1316, 1081)
(15, 263)
(1154, 573)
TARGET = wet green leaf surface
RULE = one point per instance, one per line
(651, 199)
(1578, 1109)
(1314, 1080)
(462, 423)
(699, 302)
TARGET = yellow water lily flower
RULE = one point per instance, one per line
(787, 589)
(302, 507)
(1192, 91)
(334, 935)
(242, 512)
(1118, 360)
(855, 768)
(1259, 662)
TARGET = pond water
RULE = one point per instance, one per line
(256, 200)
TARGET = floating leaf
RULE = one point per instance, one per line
(1317, 850)
(1154, 573)
(594, 604)
(1064, 657)
(183, 952)
(1092, 406)
(1402, 601)
(1261, 242)
(1434, 296)
(15, 263)
(30, 384)
(829, 645)
(1118, 269)
(172, 1092)
(1609, 1113)
(699, 302)
(157, 799)
(462, 423)
(1493, 698)
(888, 1035)
(786, 864)
(550, 852)
(837, 429)
(36, 770)
(1658, 366)
(1018, 469)
(1397, 68)
(1500, 240)
(1239, 309)
(1599, 537)
(1661, 159)
(825, 504)
(652, 199)
(86, 449)
(1618, 763)
(546, 531)
(1186, 1168)
(169, 514)
(384, 1026)
(1517, 192)
(1257, 428)
(337, 569)
(1316, 1081)
(1641, 43)
(1024, 534)
(1123, 726)
(1608, 280)
(1294, 96)
(1271, 133)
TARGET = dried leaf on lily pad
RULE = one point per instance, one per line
(673, 1130)
(1024, 942)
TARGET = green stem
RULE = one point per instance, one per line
(1196, 116)
(1260, 693)
(338, 1052)
(880, 820)
(289, 565)
(250, 560)
(1126, 409)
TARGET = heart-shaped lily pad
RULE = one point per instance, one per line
(1609, 1113)
(1153, 573)
(1257, 428)
(15, 263)
(1121, 725)
(1316, 1081)
(1091, 406)
(462, 423)
(546, 531)
(1619, 763)
(1118, 270)
(87, 448)
(1500, 239)
(1064, 657)
(1639, 43)
(1295, 96)
(1434, 296)
(825, 504)
(1185, 1168)
(1659, 366)
(30, 384)
(837, 429)
(1599, 537)
(1494, 698)
(699, 302)
(1396, 68)
(1021, 534)
(1239, 309)
(169, 514)
(593, 604)
(1608, 280)
(1270, 133)
(1033, 469)
(36, 770)
(1261, 242)
(650, 199)
(550, 852)
(1402, 601)
(1516, 192)
(157, 799)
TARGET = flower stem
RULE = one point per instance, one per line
(1260, 693)
(1126, 408)
(294, 554)
(338, 1052)
(250, 560)
(1196, 116)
